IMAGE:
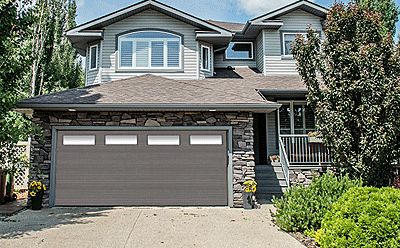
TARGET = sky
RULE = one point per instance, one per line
(220, 10)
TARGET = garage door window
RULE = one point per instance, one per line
(163, 140)
(121, 140)
(206, 139)
(79, 140)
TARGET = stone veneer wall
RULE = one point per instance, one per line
(304, 176)
(242, 123)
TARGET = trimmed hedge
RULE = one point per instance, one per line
(364, 217)
(304, 207)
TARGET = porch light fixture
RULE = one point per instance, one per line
(212, 110)
(72, 110)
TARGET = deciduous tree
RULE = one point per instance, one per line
(353, 81)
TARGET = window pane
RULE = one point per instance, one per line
(206, 139)
(157, 54)
(121, 140)
(298, 116)
(93, 57)
(173, 53)
(239, 51)
(289, 42)
(284, 118)
(142, 54)
(78, 140)
(163, 140)
(126, 53)
(205, 52)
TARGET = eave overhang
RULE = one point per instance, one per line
(258, 108)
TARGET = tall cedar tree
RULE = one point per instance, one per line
(353, 78)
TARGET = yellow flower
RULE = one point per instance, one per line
(247, 182)
(39, 183)
(44, 187)
(247, 189)
(253, 189)
(33, 194)
(39, 187)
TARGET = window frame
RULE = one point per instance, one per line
(90, 56)
(295, 32)
(120, 38)
(292, 127)
(202, 58)
(241, 42)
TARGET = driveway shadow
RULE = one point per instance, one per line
(29, 221)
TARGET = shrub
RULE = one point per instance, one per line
(304, 207)
(364, 217)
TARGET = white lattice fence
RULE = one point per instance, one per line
(21, 178)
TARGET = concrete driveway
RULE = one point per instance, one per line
(144, 227)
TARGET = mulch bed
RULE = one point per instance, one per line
(307, 241)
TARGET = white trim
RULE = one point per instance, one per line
(283, 41)
(198, 60)
(90, 57)
(247, 42)
(87, 66)
(202, 59)
(150, 40)
(288, 8)
(101, 62)
(264, 54)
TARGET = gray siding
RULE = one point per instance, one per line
(150, 19)
(294, 21)
(260, 52)
(272, 135)
(92, 76)
(203, 73)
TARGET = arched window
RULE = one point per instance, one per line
(149, 50)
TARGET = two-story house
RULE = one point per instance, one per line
(177, 110)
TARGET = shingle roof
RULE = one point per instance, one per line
(231, 26)
(235, 87)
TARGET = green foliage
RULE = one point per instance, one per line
(56, 65)
(304, 207)
(15, 60)
(389, 11)
(353, 83)
(364, 217)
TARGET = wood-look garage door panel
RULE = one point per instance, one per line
(106, 175)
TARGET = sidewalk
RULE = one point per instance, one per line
(11, 207)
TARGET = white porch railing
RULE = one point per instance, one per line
(284, 162)
(302, 152)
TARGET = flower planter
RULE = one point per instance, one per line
(248, 200)
(37, 201)
(314, 140)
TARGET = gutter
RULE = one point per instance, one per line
(151, 107)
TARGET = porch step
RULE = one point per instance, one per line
(267, 168)
(270, 182)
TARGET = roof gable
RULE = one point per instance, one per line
(305, 5)
(101, 22)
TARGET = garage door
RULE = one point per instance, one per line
(141, 168)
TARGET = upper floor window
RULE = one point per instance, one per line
(288, 40)
(296, 118)
(205, 58)
(93, 57)
(149, 50)
(239, 50)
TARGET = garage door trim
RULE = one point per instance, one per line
(106, 128)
